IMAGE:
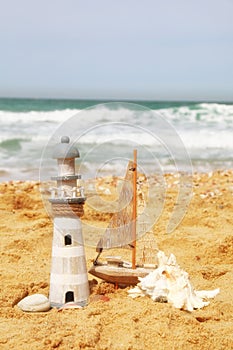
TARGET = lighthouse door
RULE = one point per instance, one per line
(68, 240)
(69, 297)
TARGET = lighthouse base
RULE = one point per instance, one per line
(68, 278)
(61, 295)
(58, 305)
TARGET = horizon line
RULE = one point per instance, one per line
(115, 99)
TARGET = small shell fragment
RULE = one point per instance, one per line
(34, 303)
(70, 305)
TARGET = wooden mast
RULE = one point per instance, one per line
(134, 215)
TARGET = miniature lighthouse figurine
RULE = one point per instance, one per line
(68, 279)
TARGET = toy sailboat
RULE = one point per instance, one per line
(121, 233)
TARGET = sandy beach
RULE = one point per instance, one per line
(202, 244)
(119, 108)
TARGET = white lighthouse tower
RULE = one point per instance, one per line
(68, 279)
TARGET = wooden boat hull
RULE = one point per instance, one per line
(119, 275)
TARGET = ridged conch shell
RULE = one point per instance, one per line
(34, 303)
(170, 283)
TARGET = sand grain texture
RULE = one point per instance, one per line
(202, 243)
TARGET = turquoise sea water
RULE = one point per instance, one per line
(46, 105)
(28, 125)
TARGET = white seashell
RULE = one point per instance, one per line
(34, 303)
(136, 292)
(177, 298)
(171, 283)
(206, 294)
(171, 260)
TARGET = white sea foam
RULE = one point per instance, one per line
(202, 113)
(207, 139)
(34, 117)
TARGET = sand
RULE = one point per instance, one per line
(202, 243)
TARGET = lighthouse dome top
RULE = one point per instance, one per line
(64, 150)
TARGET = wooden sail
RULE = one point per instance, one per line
(119, 233)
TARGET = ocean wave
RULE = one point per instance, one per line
(208, 114)
(205, 139)
(195, 113)
(13, 144)
(56, 116)
(205, 130)
(199, 126)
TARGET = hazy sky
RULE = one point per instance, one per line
(150, 49)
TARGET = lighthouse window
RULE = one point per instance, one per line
(68, 240)
(69, 297)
